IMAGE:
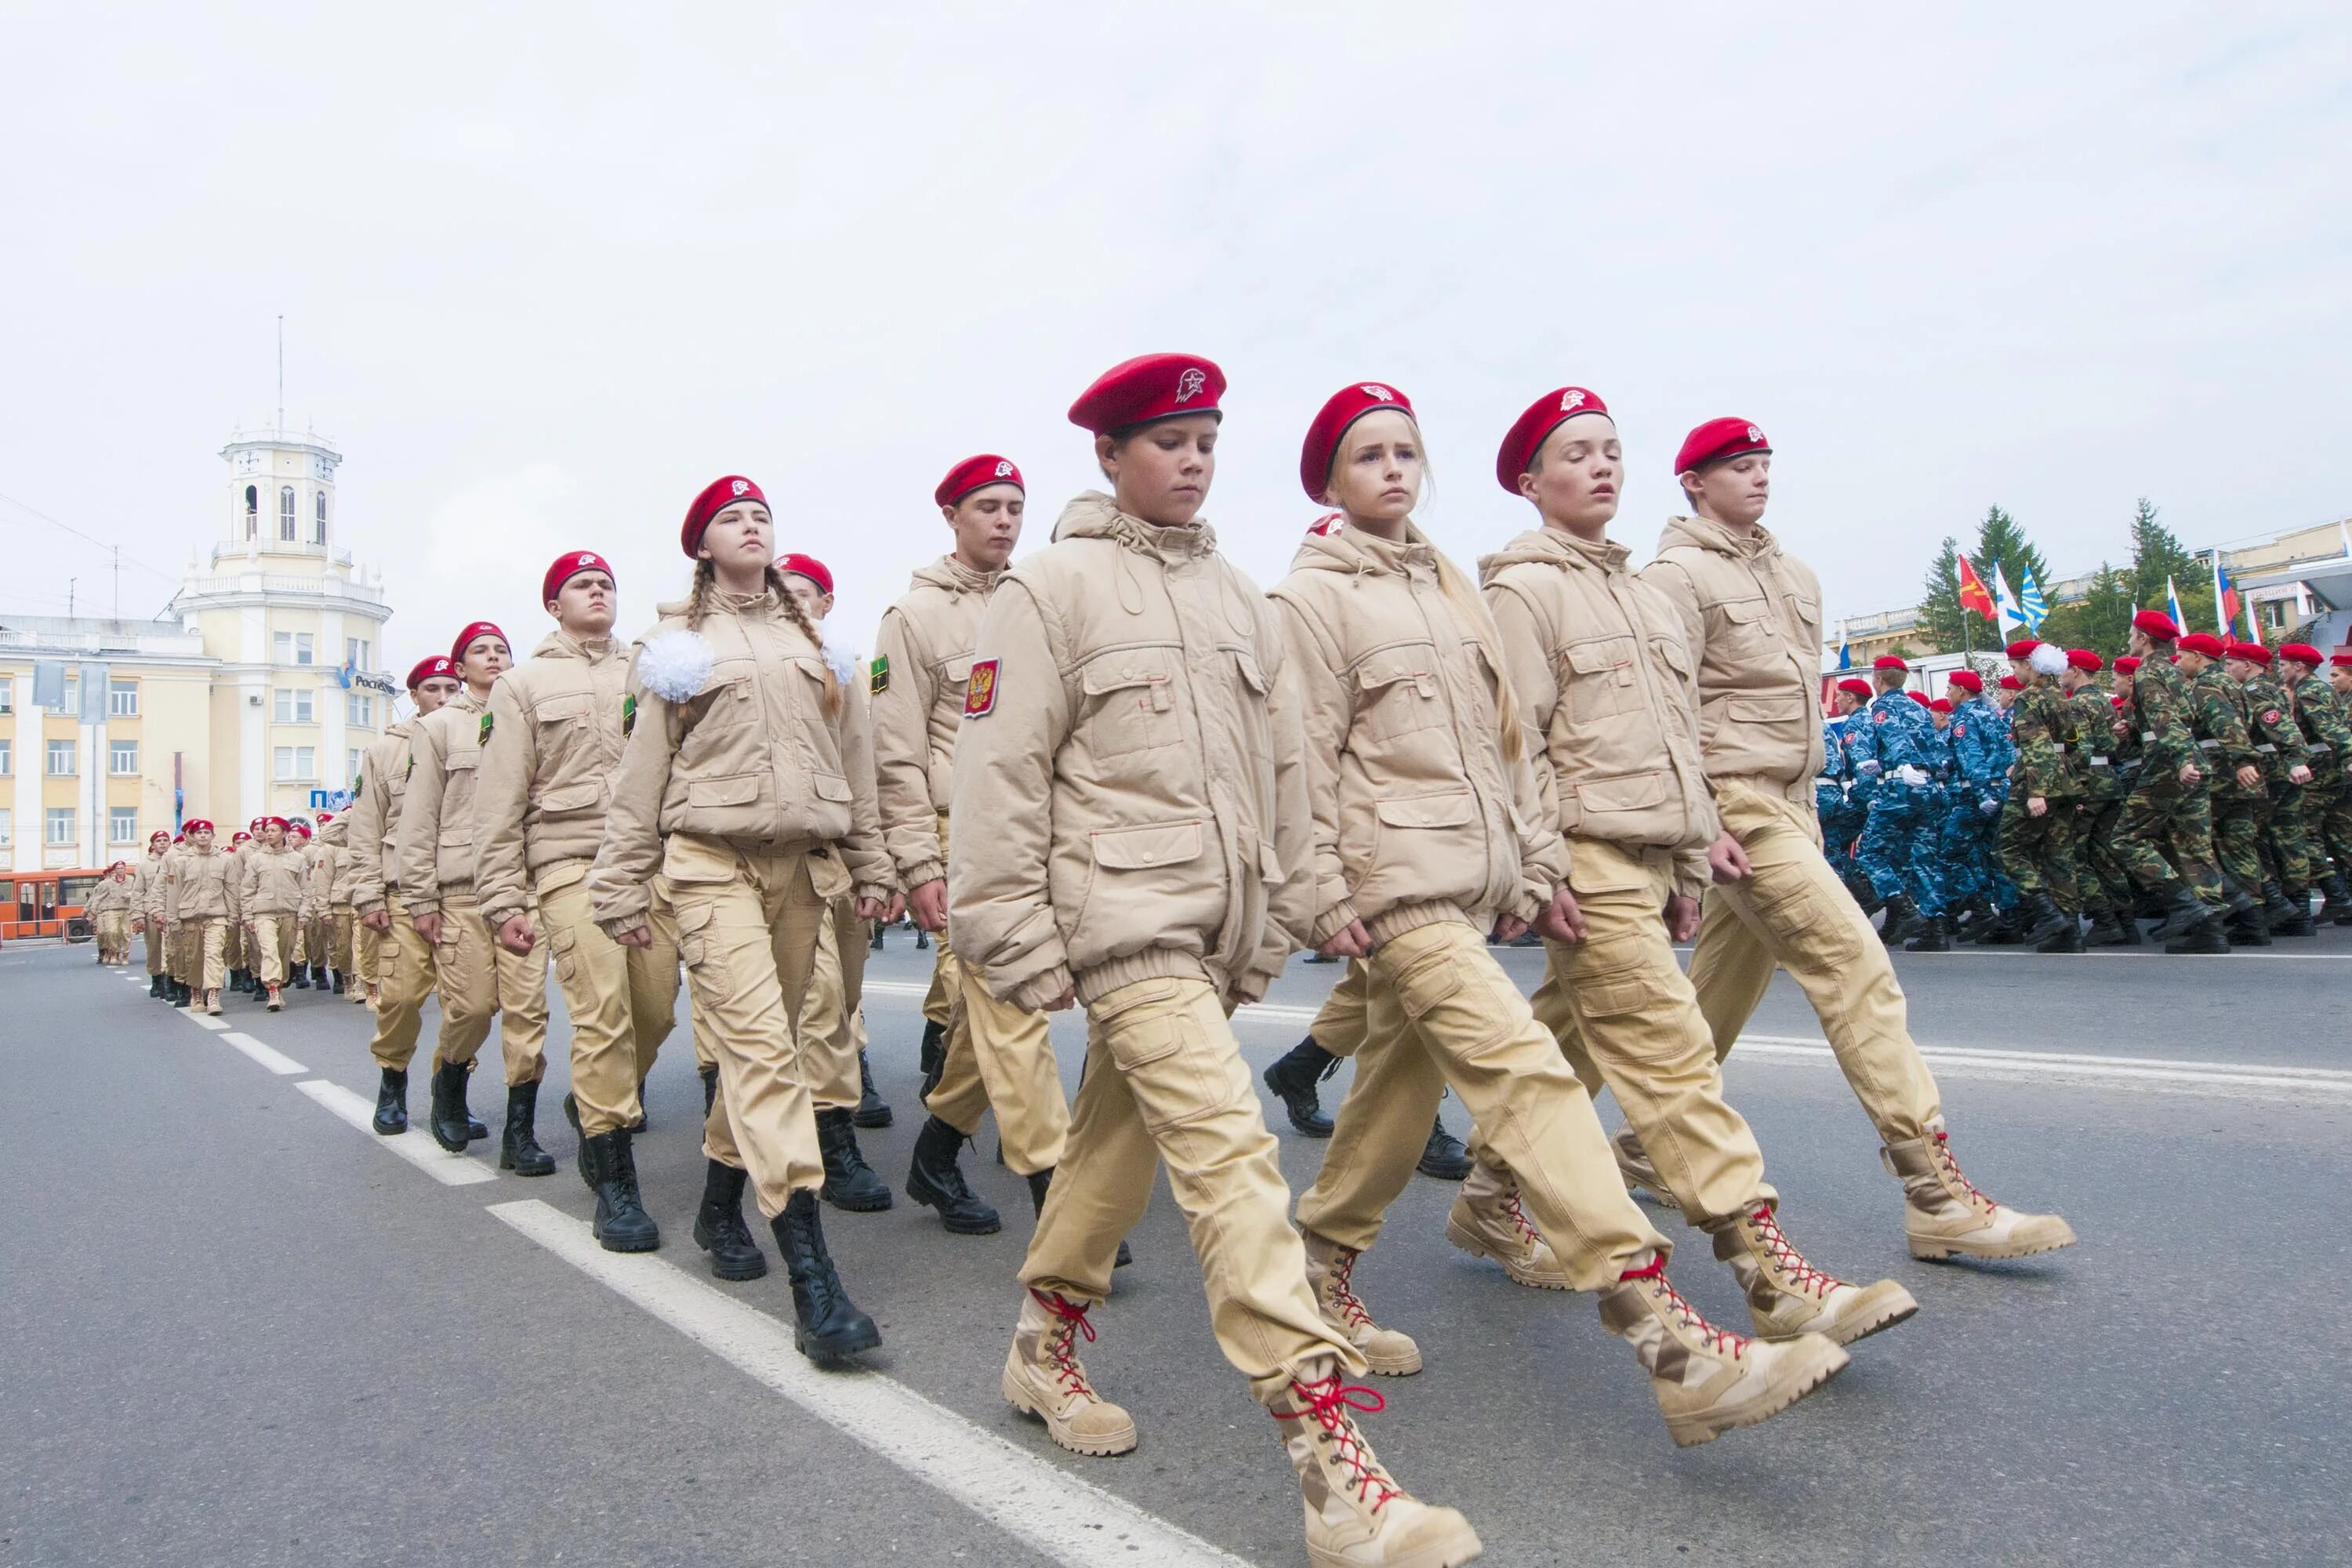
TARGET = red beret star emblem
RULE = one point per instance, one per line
(741, 485)
(1190, 384)
(1572, 399)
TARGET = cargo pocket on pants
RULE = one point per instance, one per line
(1608, 981)
(1805, 923)
(1158, 1047)
(567, 953)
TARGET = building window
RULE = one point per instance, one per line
(123, 824)
(2274, 614)
(122, 699)
(360, 715)
(71, 701)
(286, 514)
(319, 518)
(294, 706)
(296, 764)
(122, 758)
(351, 763)
(61, 824)
(7, 696)
(294, 647)
(7, 828)
(356, 653)
(7, 758)
(63, 759)
(252, 511)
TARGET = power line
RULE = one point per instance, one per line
(171, 578)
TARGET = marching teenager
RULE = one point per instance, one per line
(270, 890)
(309, 946)
(552, 734)
(2328, 746)
(1604, 682)
(1751, 620)
(199, 904)
(1131, 742)
(1431, 828)
(2286, 762)
(1334, 1035)
(241, 947)
(108, 905)
(991, 1052)
(330, 904)
(181, 990)
(2037, 833)
(147, 913)
(745, 786)
(480, 978)
(405, 959)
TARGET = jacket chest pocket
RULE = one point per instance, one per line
(1741, 625)
(560, 725)
(1602, 683)
(955, 679)
(457, 797)
(729, 701)
(1131, 702)
(1402, 692)
(1672, 662)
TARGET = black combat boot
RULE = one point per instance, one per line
(336, 979)
(579, 1142)
(2008, 930)
(622, 1224)
(449, 1117)
(156, 987)
(2204, 936)
(933, 1057)
(519, 1149)
(922, 939)
(1900, 914)
(710, 1076)
(1293, 1077)
(1443, 1155)
(391, 1102)
(2106, 928)
(718, 1228)
(2183, 912)
(872, 1110)
(876, 943)
(638, 1128)
(849, 1182)
(828, 1323)
(2248, 927)
(934, 1180)
(2067, 938)
(2334, 898)
(2043, 918)
(182, 994)
(2129, 927)
(2289, 910)
(302, 977)
(1934, 935)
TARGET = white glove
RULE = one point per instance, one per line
(1911, 775)
(1988, 807)
(1866, 767)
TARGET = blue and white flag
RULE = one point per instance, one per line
(2004, 604)
(2030, 603)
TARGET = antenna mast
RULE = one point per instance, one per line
(281, 374)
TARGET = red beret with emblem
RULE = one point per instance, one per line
(2023, 647)
(240, 837)
(477, 629)
(567, 567)
(425, 669)
(1149, 387)
(1528, 432)
(1921, 698)
(807, 566)
(1343, 408)
(1853, 688)
(2126, 665)
(2205, 643)
(159, 833)
(1940, 705)
(325, 818)
(299, 826)
(2303, 653)
(1888, 661)
(2083, 660)
(196, 824)
(2011, 683)
(1718, 439)
(977, 473)
(279, 822)
(717, 496)
(2252, 652)
(2156, 624)
(1967, 681)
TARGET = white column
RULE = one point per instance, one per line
(25, 800)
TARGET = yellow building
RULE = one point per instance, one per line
(254, 691)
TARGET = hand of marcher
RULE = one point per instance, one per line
(2298, 774)
(377, 920)
(1682, 917)
(1064, 1001)
(2189, 774)
(428, 926)
(1727, 862)
(1867, 766)
(1350, 940)
(2035, 805)
(636, 936)
(871, 909)
(516, 936)
(928, 904)
(1560, 920)
(1508, 928)
(1988, 807)
(2249, 777)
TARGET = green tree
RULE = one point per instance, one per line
(2155, 555)
(2000, 543)
(2100, 619)
(1939, 610)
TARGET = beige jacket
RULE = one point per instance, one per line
(374, 816)
(1605, 683)
(331, 864)
(107, 897)
(558, 722)
(433, 845)
(273, 881)
(922, 660)
(1131, 782)
(198, 885)
(1752, 612)
(750, 757)
(1418, 815)
(147, 884)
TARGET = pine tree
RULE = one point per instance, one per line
(2157, 555)
(2000, 543)
(1939, 610)
(2101, 620)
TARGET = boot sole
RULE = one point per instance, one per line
(394, 1130)
(870, 1120)
(1476, 1249)
(626, 1244)
(1690, 1431)
(954, 1226)
(1896, 1309)
(859, 1205)
(1464, 1546)
(1104, 1447)
(457, 1148)
(837, 1346)
(735, 1273)
(1935, 1249)
(508, 1163)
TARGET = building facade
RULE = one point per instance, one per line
(254, 692)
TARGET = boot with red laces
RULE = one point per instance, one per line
(1708, 1380)
(1044, 1377)
(1487, 1221)
(1787, 1296)
(1943, 1213)
(1357, 1515)
(277, 1000)
(1330, 1268)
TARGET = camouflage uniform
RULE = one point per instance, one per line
(2165, 823)
(2038, 852)
(2327, 798)
(2278, 740)
(1979, 751)
(1896, 737)
(2217, 707)
(2101, 874)
(1829, 797)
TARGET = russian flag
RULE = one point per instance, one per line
(2225, 594)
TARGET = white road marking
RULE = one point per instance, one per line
(414, 1146)
(284, 1066)
(1053, 1512)
(205, 1021)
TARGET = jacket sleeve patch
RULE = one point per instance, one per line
(484, 739)
(628, 714)
(980, 695)
(877, 681)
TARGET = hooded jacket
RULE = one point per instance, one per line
(271, 881)
(1752, 615)
(922, 663)
(1419, 817)
(198, 885)
(376, 818)
(558, 724)
(1130, 785)
(330, 865)
(434, 843)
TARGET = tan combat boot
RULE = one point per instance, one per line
(1641, 1177)
(1943, 1213)
(1708, 1380)
(1357, 1515)
(1787, 1296)
(1043, 1377)
(1487, 1222)
(1329, 1266)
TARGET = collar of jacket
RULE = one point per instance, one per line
(956, 577)
(1555, 547)
(1705, 534)
(1354, 550)
(560, 644)
(466, 702)
(1094, 515)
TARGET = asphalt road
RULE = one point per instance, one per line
(235, 1328)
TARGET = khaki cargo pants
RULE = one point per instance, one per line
(206, 952)
(1442, 1010)
(273, 946)
(114, 936)
(406, 964)
(1165, 1081)
(151, 931)
(623, 1001)
(997, 1056)
(479, 981)
(748, 925)
(1794, 914)
(364, 943)
(832, 1026)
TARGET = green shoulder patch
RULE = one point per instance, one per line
(879, 682)
(484, 739)
(628, 714)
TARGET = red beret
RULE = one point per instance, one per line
(240, 839)
(478, 629)
(1921, 698)
(1718, 439)
(2126, 665)
(1344, 408)
(717, 496)
(2303, 653)
(196, 824)
(974, 473)
(2023, 647)
(2252, 652)
(2341, 660)
(282, 825)
(1149, 387)
(1967, 681)
(567, 566)
(299, 826)
(2083, 660)
(2011, 683)
(1528, 432)
(427, 668)
(1940, 705)
(1855, 688)
(159, 833)
(807, 566)
(2117, 699)
(1888, 661)
(325, 818)
(258, 820)
(2156, 624)
(2205, 643)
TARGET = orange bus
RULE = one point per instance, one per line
(46, 903)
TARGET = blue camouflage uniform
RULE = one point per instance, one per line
(1979, 745)
(1898, 735)
(1926, 875)
(1829, 797)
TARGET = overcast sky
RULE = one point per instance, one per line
(546, 270)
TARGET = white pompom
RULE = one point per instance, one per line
(2048, 659)
(675, 666)
(844, 662)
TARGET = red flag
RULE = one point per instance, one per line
(1973, 596)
